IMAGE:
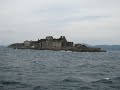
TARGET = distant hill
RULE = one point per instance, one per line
(2, 46)
(109, 47)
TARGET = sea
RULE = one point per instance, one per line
(58, 70)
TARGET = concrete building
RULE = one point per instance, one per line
(27, 43)
(52, 42)
(49, 42)
(70, 44)
(80, 46)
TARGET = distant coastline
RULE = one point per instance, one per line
(50, 43)
(108, 47)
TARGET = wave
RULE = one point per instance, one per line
(13, 83)
(72, 80)
(9, 82)
(109, 84)
(117, 78)
(39, 88)
(108, 80)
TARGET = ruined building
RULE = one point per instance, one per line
(49, 42)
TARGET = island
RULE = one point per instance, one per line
(55, 44)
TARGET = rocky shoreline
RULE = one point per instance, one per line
(73, 49)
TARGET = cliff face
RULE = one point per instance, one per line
(54, 44)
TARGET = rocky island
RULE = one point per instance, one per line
(50, 43)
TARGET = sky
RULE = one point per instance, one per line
(94, 22)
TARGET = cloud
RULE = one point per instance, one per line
(87, 20)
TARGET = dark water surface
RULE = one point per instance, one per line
(58, 70)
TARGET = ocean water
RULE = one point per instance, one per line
(58, 70)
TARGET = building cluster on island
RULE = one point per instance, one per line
(50, 43)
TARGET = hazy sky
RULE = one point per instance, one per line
(84, 21)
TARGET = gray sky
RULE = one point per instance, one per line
(82, 21)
